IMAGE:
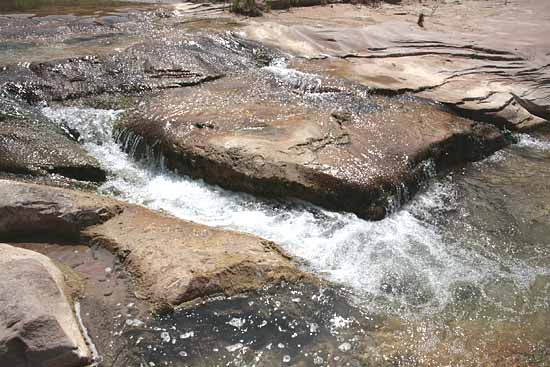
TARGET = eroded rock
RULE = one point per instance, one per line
(172, 63)
(319, 140)
(173, 260)
(37, 324)
(178, 261)
(32, 144)
(473, 56)
(34, 211)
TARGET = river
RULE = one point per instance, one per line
(457, 274)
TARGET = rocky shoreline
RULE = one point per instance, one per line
(357, 119)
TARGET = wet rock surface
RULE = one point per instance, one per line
(139, 68)
(458, 276)
(296, 325)
(322, 140)
(104, 294)
(471, 55)
(31, 144)
(288, 134)
(174, 260)
(37, 324)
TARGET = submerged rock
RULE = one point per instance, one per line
(37, 325)
(465, 292)
(290, 324)
(414, 289)
(298, 135)
(173, 260)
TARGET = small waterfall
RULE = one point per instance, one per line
(406, 261)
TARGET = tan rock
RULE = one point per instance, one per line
(173, 260)
(177, 261)
(485, 59)
(341, 149)
(37, 324)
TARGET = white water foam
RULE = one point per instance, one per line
(367, 256)
(96, 358)
(528, 141)
(297, 79)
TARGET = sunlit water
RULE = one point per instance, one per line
(406, 262)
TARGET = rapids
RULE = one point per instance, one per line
(465, 261)
(409, 263)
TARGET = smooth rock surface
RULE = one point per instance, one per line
(485, 59)
(37, 324)
(306, 137)
(178, 261)
(173, 260)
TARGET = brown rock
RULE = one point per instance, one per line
(342, 149)
(178, 261)
(174, 260)
(37, 325)
(34, 211)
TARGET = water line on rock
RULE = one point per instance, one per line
(96, 358)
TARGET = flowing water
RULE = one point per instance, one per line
(466, 261)
(459, 276)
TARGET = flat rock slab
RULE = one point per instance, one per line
(306, 137)
(172, 260)
(486, 60)
(178, 261)
(151, 65)
(37, 324)
(35, 211)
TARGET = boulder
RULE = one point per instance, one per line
(471, 56)
(37, 324)
(320, 140)
(177, 261)
(172, 260)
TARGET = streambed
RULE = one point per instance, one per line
(457, 275)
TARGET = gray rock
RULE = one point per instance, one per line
(31, 144)
(137, 69)
(33, 211)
